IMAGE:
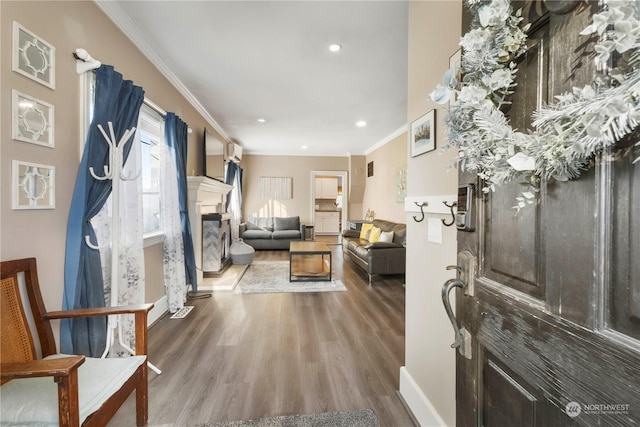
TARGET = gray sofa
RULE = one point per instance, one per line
(378, 257)
(272, 232)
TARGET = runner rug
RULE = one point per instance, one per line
(359, 418)
(265, 277)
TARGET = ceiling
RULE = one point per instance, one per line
(241, 61)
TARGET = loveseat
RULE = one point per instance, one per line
(379, 247)
(272, 232)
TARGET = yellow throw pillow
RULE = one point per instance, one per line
(365, 230)
(374, 235)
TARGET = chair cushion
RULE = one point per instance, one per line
(256, 234)
(288, 223)
(34, 401)
(286, 234)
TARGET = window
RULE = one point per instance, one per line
(151, 135)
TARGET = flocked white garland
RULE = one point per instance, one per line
(568, 133)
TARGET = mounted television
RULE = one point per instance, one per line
(213, 156)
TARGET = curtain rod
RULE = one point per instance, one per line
(85, 62)
(154, 106)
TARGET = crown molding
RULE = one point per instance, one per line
(118, 16)
(393, 135)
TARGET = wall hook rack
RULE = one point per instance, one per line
(453, 215)
(421, 206)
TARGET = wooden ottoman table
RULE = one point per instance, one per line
(307, 262)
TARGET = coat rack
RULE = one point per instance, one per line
(113, 171)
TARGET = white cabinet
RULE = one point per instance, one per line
(327, 222)
(326, 188)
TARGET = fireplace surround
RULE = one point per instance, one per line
(207, 197)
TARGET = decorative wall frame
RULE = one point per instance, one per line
(370, 169)
(275, 187)
(33, 56)
(32, 120)
(401, 183)
(422, 137)
(455, 64)
(33, 186)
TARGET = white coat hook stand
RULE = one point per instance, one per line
(113, 171)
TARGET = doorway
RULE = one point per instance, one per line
(329, 205)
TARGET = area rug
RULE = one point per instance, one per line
(266, 277)
(359, 418)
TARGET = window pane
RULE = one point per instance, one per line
(151, 215)
(150, 134)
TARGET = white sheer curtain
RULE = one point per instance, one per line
(173, 254)
(131, 284)
(235, 210)
(233, 176)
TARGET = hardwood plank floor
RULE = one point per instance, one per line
(260, 355)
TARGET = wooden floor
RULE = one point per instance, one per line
(260, 355)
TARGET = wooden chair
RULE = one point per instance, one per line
(89, 390)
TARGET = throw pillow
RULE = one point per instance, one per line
(286, 223)
(365, 230)
(386, 236)
(260, 223)
(375, 234)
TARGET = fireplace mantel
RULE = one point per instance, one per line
(205, 185)
(206, 195)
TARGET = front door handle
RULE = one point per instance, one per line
(446, 288)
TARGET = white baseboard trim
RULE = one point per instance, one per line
(160, 307)
(418, 403)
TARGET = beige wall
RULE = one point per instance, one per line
(67, 26)
(357, 183)
(297, 167)
(380, 193)
(434, 32)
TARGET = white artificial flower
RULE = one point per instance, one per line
(603, 50)
(594, 131)
(495, 13)
(472, 95)
(565, 98)
(624, 38)
(522, 162)
(586, 92)
(449, 77)
(476, 39)
(499, 79)
(441, 94)
(616, 107)
(599, 24)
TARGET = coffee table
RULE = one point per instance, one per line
(307, 262)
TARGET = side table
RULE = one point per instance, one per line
(310, 233)
(355, 224)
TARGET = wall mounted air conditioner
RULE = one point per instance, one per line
(234, 152)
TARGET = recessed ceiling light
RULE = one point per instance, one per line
(361, 123)
(335, 47)
(304, 147)
(261, 120)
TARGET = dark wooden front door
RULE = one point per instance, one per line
(553, 307)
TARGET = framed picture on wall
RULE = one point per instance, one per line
(33, 186)
(33, 56)
(423, 134)
(32, 120)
